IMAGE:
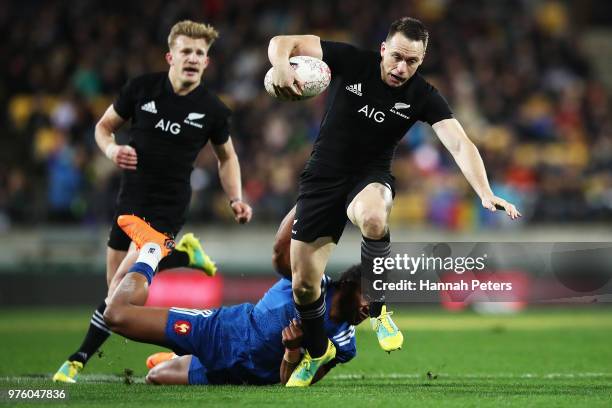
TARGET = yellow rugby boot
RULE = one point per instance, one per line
(307, 368)
(198, 259)
(389, 336)
(68, 372)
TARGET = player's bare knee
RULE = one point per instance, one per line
(302, 290)
(374, 225)
(113, 317)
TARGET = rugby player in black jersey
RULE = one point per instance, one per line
(374, 98)
(173, 115)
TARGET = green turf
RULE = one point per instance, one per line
(538, 358)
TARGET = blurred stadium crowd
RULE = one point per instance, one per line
(513, 72)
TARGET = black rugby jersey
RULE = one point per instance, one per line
(365, 118)
(167, 131)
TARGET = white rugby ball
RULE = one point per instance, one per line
(314, 72)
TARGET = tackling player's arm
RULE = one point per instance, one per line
(292, 337)
(281, 48)
(466, 155)
(290, 361)
(123, 156)
(229, 174)
(292, 340)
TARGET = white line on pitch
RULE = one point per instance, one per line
(356, 376)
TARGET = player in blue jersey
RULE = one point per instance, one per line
(243, 344)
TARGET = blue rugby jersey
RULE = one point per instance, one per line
(242, 344)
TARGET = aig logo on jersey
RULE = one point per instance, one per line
(168, 126)
(372, 113)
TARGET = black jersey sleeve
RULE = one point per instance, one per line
(125, 102)
(435, 108)
(340, 57)
(221, 130)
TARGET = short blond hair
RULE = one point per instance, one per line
(192, 29)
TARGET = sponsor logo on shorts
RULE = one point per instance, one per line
(182, 327)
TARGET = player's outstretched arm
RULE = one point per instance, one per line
(123, 156)
(229, 174)
(282, 47)
(453, 137)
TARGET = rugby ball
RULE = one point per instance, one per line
(314, 72)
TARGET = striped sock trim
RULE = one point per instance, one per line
(375, 249)
(98, 320)
(311, 313)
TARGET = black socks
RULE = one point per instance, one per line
(312, 317)
(96, 335)
(176, 259)
(370, 249)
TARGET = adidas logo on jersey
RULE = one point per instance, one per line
(355, 88)
(149, 107)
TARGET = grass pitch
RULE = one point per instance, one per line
(537, 358)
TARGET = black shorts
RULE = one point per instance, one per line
(166, 220)
(322, 202)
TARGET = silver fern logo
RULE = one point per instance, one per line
(192, 117)
(399, 106)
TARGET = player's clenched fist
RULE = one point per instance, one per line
(123, 156)
(293, 335)
(242, 211)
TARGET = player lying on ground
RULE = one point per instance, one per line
(173, 116)
(240, 344)
(374, 99)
